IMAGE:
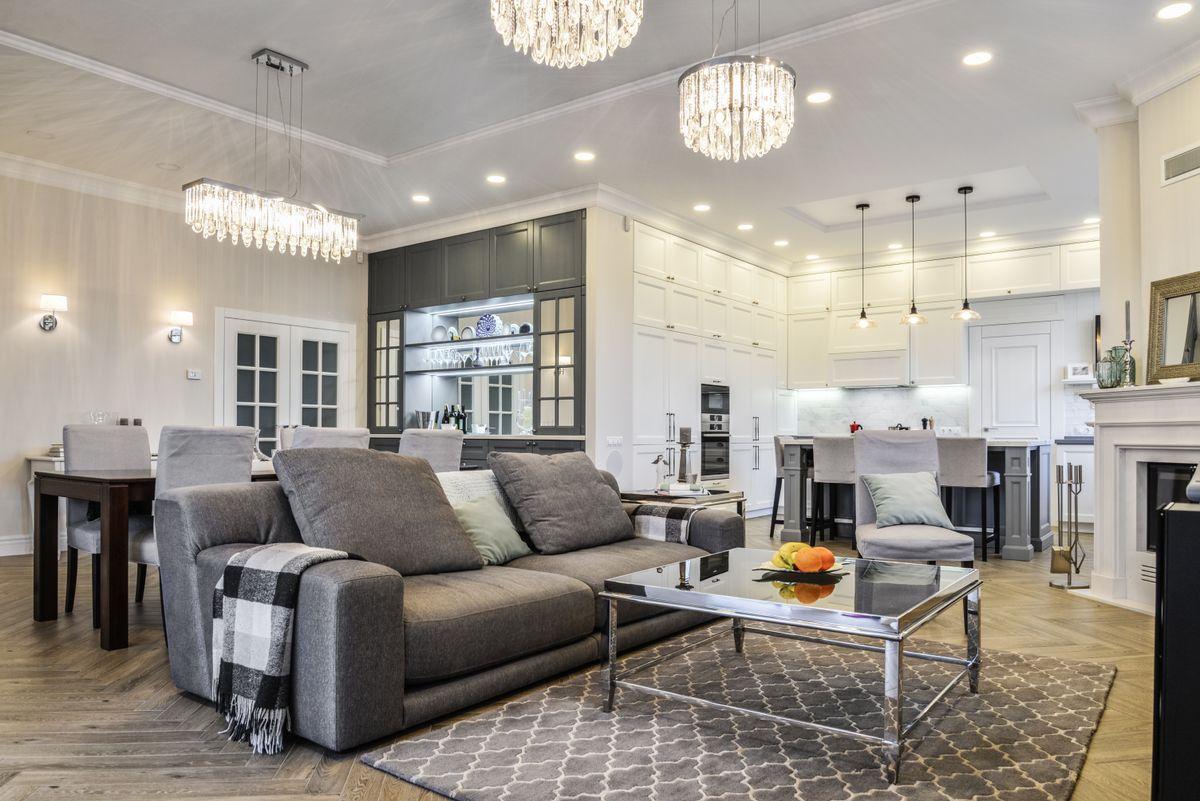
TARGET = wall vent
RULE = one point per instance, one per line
(1181, 164)
(1149, 573)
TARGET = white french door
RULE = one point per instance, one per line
(1015, 381)
(273, 373)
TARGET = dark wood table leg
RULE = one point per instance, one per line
(45, 554)
(114, 567)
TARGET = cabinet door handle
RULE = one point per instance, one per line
(674, 430)
(668, 426)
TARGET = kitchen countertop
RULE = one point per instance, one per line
(992, 443)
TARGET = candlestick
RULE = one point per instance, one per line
(1127, 337)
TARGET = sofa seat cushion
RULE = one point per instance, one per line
(460, 623)
(922, 543)
(593, 566)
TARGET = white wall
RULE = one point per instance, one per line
(1120, 236)
(124, 267)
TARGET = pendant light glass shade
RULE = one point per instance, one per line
(966, 313)
(863, 320)
(912, 316)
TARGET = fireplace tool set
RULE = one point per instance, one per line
(1067, 555)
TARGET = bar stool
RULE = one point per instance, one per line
(833, 466)
(963, 463)
(776, 520)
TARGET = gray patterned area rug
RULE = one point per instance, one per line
(1023, 738)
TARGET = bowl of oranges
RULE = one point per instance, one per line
(802, 572)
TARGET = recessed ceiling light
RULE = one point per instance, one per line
(813, 256)
(496, 178)
(745, 226)
(420, 198)
(39, 134)
(781, 243)
(701, 207)
(1091, 221)
(820, 96)
(585, 155)
(978, 58)
(1174, 10)
(895, 246)
(169, 166)
(986, 234)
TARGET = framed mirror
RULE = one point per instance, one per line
(1174, 328)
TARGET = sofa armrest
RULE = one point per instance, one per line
(348, 654)
(716, 530)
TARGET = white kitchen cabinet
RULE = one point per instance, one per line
(663, 304)
(1080, 265)
(739, 361)
(741, 281)
(762, 388)
(808, 293)
(650, 251)
(1014, 272)
(714, 364)
(683, 393)
(650, 407)
(781, 351)
(940, 279)
(714, 317)
(938, 349)
(881, 368)
(885, 286)
(741, 323)
(683, 309)
(765, 325)
(741, 467)
(683, 262)
(770, 290)
(888, 334)
(1084, 455)
(808, 351)
(787, 412)
(714, 272)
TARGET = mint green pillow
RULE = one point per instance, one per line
(491, 530)
(906, 499)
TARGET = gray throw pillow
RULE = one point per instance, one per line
(385, 508)
(490, 528)
(906, 499)
(563, 501)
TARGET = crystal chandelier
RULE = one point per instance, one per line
(224, 210)
(567, 33)
(736, 107)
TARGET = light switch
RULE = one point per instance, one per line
(616, 442)
(194, 375)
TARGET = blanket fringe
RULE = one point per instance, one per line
(262, 728)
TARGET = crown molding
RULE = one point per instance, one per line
(1100, 112)
(1162, 76)
(170, 92)
(89, 183)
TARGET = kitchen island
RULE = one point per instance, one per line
(1024, 467)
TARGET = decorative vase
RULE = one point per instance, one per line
(1109, 373)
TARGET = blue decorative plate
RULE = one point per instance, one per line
(489, 325)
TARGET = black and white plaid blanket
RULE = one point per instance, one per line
(665, 522)
(253, 607)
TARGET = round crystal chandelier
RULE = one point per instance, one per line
(567, 33)
(737, 107)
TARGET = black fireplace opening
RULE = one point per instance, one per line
(1165, 482)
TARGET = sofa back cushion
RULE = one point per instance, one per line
(385, 508)
(563, 501)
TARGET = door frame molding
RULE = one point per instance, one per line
(224, 313)
(975, 359)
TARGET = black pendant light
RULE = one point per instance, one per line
(966, 313)
(863, 320)
(912, 316)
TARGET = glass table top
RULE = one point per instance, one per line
(858, 596)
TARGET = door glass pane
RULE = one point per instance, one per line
(393, 362)
(268, 352)
(566, 313)
(566, 382)
(547, 349)
(394, 333)
(245, 415)
(329, 418)
(267, 446)
(381, 414)
(328, 390)
(308, 390)
(266, 421)
(308, 357)
(547, 381)
(381, 362)
(381, 328)
(328, 357)
(547, 413)
(393, 389)
(266, 386)
(566, 412)
(245, 350)
(308, 416)
(566, 349)
(549, 322)
(393, 414)
(380, 389)
(245, 386)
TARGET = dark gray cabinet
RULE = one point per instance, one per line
(511, 260)
(423, 266)
(465, 268)
(386, 290)
(558, 376)
(558, 243)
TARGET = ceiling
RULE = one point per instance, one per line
(424, 97)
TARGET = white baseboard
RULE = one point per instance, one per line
(15, 545)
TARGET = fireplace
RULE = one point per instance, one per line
(1165, 482)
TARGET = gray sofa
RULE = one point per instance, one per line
(375, 652)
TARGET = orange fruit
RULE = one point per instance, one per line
(807, 561)
(827, 558)
(807, 593)
(826, 589)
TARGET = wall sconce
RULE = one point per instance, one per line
(50, 305)
(179, 319)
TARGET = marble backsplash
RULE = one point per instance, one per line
(830, 411)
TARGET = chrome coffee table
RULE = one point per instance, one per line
(883, 601)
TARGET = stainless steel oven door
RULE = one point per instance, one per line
(714, 457)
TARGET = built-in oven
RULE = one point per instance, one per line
(714, 432)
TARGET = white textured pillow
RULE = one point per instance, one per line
(463, 486)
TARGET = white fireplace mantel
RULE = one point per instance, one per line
(1134, 426)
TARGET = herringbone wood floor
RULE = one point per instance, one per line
(76, 721)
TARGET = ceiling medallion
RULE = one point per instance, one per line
(567, 33)
(216, 208)
(736, 107)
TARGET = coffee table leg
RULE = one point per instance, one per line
(611, 668)
(974, 632)
(893, 707)
(739, 634)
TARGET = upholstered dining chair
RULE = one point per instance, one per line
(311, 437)
(103, 447)
(440, 447)
(833, 466)
(963, 463)
(882, 452)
